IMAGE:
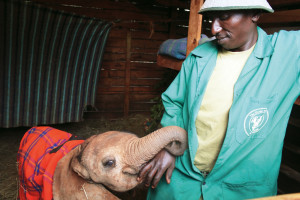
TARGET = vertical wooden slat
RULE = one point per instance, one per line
(174, 15)
(195, 25)
(127, 74)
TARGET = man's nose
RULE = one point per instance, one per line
(215, 27)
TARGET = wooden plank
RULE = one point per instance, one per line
(144, 51)
(160, 26)
(295, 196)
(142, 82)
(169, 62)
(174, 3)
(110, 102)
(181, 32)
(279, 4)
(107, 82)
(121, 57)
(138, 97)
(112, 65)
(111, 89)
(280, 17)
(195, 25)
(144, 57)
(141, 106)
(140, 34)
(112, 73)
(137, 74)
(146, 44)
(109, 105)
(140, 112)
(111, 49)
(146, 66)
(142, 89)
(117, 32)
(113, 42)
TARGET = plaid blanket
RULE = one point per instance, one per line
(177, 47)
(40, 150)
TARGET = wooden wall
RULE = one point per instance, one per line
(129, 73)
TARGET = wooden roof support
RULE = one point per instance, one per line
(195, 25)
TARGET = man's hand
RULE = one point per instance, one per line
(154, 170)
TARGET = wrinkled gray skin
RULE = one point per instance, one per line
(111, 160)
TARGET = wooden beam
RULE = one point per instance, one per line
(195, 25)
(173, 3)
(281, 17)
(280, 3)
(169, 62)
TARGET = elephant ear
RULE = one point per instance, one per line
(76, 163)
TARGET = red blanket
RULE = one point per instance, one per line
(40, 150)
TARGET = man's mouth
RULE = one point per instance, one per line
(220, 37)
(221, 40)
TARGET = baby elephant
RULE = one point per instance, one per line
(52, 165)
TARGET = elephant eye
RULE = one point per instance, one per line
(109, 163)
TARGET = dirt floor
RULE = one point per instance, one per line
(10, 139)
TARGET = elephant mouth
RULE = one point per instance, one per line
(130, 171)
(131, 174)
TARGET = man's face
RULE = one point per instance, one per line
(234, 30)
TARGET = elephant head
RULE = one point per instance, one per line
(113, 159)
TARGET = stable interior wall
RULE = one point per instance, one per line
(130, 78)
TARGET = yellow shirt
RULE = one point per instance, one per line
(212, 118)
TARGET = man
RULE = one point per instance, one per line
(233, 96)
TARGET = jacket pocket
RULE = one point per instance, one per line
(246, 190)
(255, 119)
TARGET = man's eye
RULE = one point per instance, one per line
(224, 17)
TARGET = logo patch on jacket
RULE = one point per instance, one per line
(256, 120)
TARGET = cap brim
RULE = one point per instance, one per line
(201, 11)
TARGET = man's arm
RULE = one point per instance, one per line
(173, 99)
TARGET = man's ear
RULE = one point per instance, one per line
(77, 165)
(255, 16)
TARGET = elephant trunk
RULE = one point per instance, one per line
(172, 138)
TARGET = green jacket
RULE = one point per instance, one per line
(249, 160)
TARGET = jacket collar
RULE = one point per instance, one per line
(263, 46)
(262, 49)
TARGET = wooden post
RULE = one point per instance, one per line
(195, 25)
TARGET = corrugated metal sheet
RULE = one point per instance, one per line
(49, 64)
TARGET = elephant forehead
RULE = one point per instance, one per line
(111, 139)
